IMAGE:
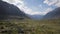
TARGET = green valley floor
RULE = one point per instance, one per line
(29, 26)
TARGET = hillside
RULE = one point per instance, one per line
(53, 14)
(8, 11)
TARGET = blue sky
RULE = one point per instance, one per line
(38, 4)
(35, 7)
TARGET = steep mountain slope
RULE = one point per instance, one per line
(53, 14)
(8, 10)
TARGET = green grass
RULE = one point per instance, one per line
(32, 26)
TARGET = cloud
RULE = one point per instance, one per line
(48, 10)
(58, 3)
(21, 5)
(52, 2)
(14, 1)
(39, 12)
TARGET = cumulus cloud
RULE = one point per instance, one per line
(52, 2)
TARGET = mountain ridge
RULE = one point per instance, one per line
(53, 14)
(7, 10)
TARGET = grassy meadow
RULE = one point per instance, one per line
(29, 26)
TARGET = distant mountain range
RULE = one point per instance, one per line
(36, 17)
(53, 14)
(8, 10)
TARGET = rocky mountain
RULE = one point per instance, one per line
(8, 10)
(53, 14)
